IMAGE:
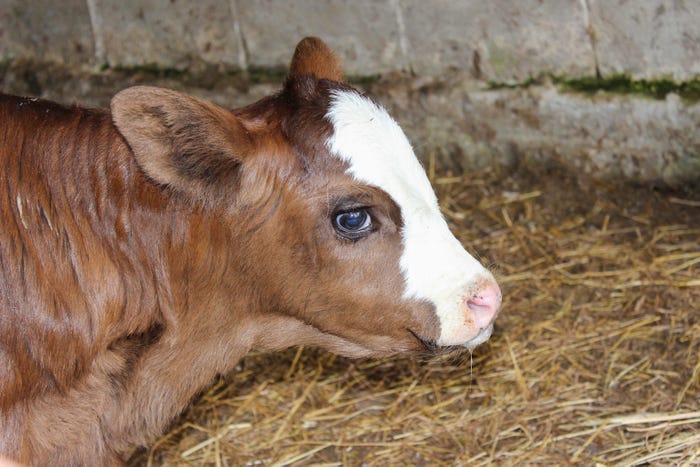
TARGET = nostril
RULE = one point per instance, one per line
(485, 304)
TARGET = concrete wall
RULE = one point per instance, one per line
(440, 54)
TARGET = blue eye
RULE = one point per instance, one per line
(353, 224)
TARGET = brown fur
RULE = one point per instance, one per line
(145, 251)
(313, 57)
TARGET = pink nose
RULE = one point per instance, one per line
(485, 304)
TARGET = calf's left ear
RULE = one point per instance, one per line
(188, 144)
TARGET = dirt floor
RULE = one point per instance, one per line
(595, 357)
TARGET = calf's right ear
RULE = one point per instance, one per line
(188, 144)
(312, 56)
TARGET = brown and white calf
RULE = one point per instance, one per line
(146, 250)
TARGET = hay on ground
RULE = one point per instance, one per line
(595, 358)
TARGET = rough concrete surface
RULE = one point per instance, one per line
(647, 39)
(607, 135)
(436, 61)
(37, 30)
(499, 40)
(364, 32)
(163, 33)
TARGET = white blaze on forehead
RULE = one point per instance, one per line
(435, 265)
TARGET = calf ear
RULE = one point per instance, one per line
(313, 57)
(180, 141)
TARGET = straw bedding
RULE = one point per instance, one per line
(595, 357)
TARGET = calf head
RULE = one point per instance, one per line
(334, 232)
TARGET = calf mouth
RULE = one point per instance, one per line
(430, 346)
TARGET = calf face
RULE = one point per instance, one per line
(343, 233)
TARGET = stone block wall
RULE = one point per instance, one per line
(439, 60)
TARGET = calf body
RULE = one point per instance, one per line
(145, 250)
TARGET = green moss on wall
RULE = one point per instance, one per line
(617, 84)
(253, 75)
(623, 84)
(148, 70)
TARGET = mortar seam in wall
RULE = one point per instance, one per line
(100, 55)
(404, 44)
(240, 35)
(586, 6)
